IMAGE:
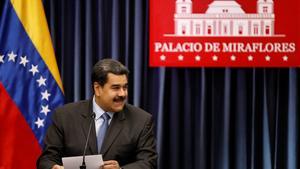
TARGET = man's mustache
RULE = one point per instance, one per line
(120, 98)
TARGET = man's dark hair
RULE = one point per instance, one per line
(105, 66)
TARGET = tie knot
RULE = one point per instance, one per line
(105, 116)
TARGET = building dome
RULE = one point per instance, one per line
(229, 6)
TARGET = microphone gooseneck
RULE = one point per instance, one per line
(83, 166)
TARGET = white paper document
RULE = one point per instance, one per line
(91, 162)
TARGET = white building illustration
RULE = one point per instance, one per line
(224, 18)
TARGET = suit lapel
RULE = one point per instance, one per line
(113, 131)
(86, 117)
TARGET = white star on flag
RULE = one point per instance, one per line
(268, 58)
(163, 57)
(41, 81)
(45, 95)
(45, 110)
(12, 56)
(39, 122)
(1, 58)
(197, 58)
(215, 58)
(285, 58)
(250, 58)
(24, 61)
(233, 58)
(34, 69)
(180, 57)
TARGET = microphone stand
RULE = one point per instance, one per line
(83, 166)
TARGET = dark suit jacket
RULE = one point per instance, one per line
(129, 138)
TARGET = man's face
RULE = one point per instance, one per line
(112, 96)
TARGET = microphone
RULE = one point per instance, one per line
(83, 166)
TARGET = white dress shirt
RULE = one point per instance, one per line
(99, 111)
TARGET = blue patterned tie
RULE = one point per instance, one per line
(102, 130)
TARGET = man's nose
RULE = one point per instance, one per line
(122, 92)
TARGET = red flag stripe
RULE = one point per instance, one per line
(17, 139)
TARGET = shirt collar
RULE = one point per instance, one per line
(99, 111)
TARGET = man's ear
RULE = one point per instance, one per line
(97, 88)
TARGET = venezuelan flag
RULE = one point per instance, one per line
(30, 84)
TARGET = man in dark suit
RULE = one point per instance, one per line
(128, 141)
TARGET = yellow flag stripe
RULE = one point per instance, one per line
(32, 16)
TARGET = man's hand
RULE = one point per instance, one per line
(111, 164)
(57, 167)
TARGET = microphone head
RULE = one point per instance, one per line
(93, 115)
